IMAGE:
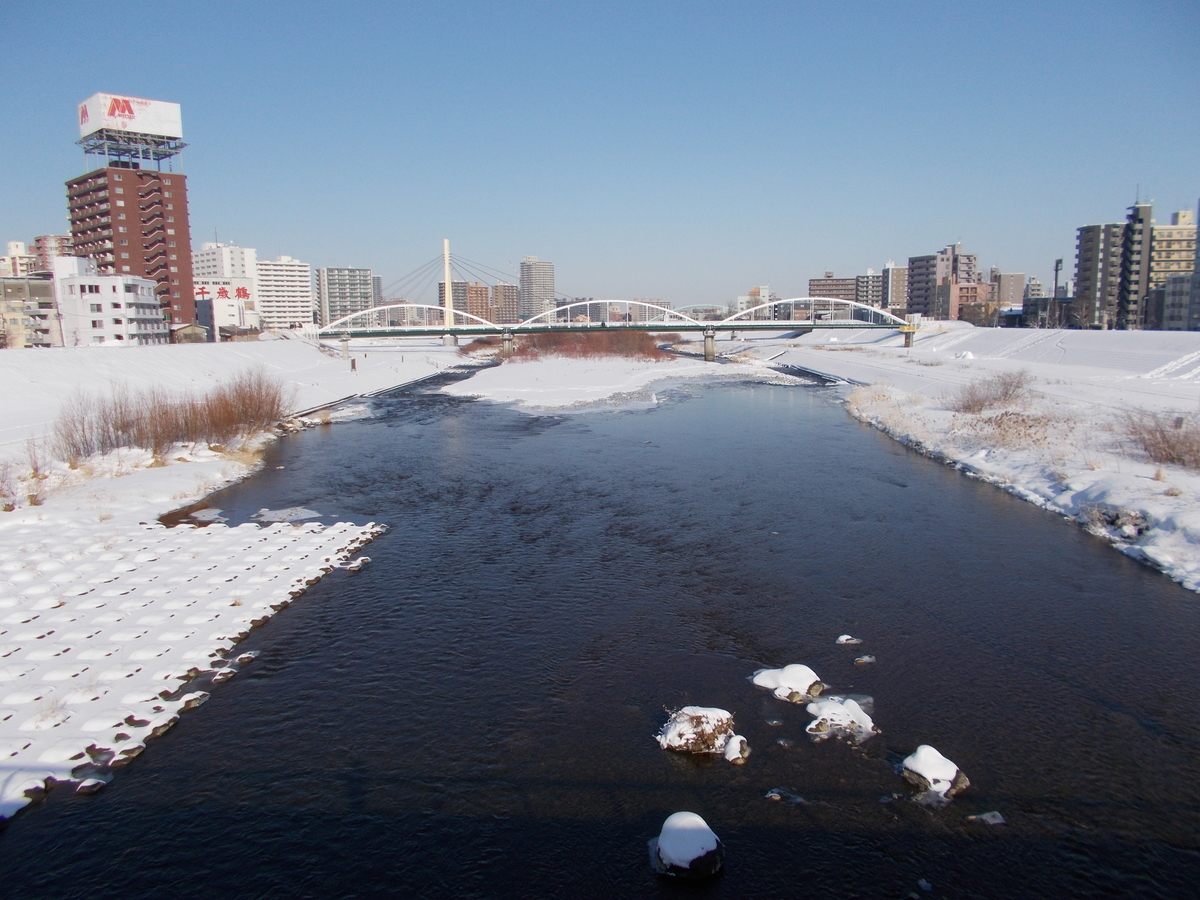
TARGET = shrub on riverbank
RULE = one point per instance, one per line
(1163, 437)
(1001, 389)
(591, 344)
(155, 418)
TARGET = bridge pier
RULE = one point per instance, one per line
(449, 340)
(506, 346)
(345, 346)
(710, 345)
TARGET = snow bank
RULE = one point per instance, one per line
(561, 383)
(797, 683)
(697, 729)
(686, 847)
(1060, 447)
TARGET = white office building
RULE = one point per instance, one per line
(285, 293)
(343, 291)
(217, 260)
(114, 310)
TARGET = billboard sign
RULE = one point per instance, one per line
(135, 114)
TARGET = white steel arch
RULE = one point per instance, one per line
(662, 309)
(814, 304)
(333, 326)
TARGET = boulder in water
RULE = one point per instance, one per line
(797, 682)
(697, 729)
(938, 778)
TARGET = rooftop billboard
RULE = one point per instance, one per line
(129, 114)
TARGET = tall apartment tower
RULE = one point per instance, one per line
(537, 287)
(895, 288)
(129, 214)
(285, 293)
(505, 298)
(1173, 248)
(218, 260)
(1098, 274)
(1135, 266)
(868, 289)
(343, 291)
(829, 286)
(49, 247)
(931, 279)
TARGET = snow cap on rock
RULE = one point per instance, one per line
(686, 847)
(697, 729)
(796, 682)
(930, 771)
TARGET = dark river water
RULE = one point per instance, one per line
(473, 715)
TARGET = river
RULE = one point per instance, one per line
(473, 715)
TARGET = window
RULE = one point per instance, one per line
(96, 307)
(118, 190)
(120, 203)
(170, 219)
(116, 306)
(124, 256)
(119, 337)
(125, 268)
(173, 256)
(121, 216)
(169, 205)
(97, 323)
(166, 181)
(124, 242)
(98, 339)
(166, 193)
(170, 243)
(118, 322)
(171, 231)
(131, 288)
(116, 176)
(122, 229)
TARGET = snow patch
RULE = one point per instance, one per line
(686, 847)
(796, 682)
(697, 729)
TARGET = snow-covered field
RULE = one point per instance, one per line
(1061, 446)
(106, 616)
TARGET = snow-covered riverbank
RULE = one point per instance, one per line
(107, 617)
(1062, 447)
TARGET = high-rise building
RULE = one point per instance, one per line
(479, 300)
(1134, 284)
(129, 218)
(931, 277)
(285, 293)
(537, 287)
(837, 288)
(1009, 288)
(645, 314)
(868, 289)
(48, 247)
(505, 299)
(1097, 274)
(343, 291)
(458, 295)
(895, 288)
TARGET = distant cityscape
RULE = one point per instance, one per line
(128, 273)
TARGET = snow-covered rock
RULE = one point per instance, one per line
(697, 729)
(797, 682)
(840, 717)
(686, 847)
(848, 639)
(737, 750)
(936, 776)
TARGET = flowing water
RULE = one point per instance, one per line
(473, 715)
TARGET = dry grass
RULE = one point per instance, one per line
(8, 488)
(588, 345)
(486, 342)
(1163, 437)
(155, 419)
(1002, 389)
(1011, 430)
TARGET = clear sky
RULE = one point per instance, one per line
(682, 150)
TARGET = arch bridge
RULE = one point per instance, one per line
(801, 314)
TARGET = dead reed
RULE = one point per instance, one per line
(591, 344)
(1164, 437)
(154, 419)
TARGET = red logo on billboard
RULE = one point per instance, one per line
(120, 108)
(202, 292)
(83, 115)
(241, 293)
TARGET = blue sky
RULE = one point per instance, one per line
(678, 150)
